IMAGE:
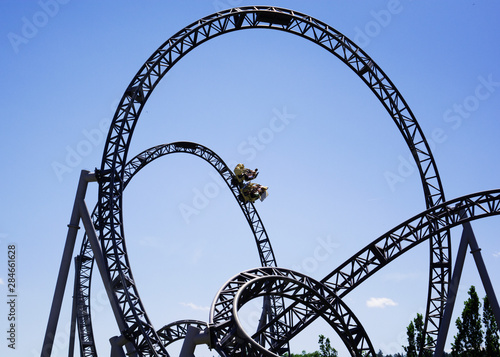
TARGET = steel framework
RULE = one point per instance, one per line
(177, 330)
(85, 260)
(398, 241)
(162, 60)
(315, 299)
(311, 297)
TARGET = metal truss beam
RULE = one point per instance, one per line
(139, 327)
(468, 240)
(177, 330)
(311, 296)
(79, 213)
(395, 243)
(136, 164)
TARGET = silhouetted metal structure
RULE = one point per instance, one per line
(85, 259)
(105, 240)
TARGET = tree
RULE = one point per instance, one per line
(470, 336)
(491, 338)
(325, 348)
(305, 354)
(411, 349)
(416, 338)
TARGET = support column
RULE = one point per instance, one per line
(452, 292)
(101, 265)
(50, 332)
(194, 336)
(76, 291)
(485, 278)
(468, 239)
(80, 211)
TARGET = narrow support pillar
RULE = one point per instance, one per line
(485, 278)
(101, 265)
(50, 333)
(194, 336)
(76, 291)
(468, 239)
(452, 292)
(266, 315)
(80, 211)
(117, 343)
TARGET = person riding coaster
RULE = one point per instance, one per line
(253, 191)
(249, 191)
(244, 174)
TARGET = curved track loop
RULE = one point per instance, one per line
(177, 330)
(312, 297)
(138, 326)
(393, 244)
(85, 261)
(266, 254)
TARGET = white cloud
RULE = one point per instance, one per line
(380, 302)
(496, 254)
(195, 307)
(1, 282)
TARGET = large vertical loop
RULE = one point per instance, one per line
(139, 329)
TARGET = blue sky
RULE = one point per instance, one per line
(330, 166)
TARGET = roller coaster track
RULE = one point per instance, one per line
(323, 299)
(311, 297)
(85, 260)
(138, 328)
(392, 245)
(177, 330)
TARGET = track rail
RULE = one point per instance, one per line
(394, 244)
(85, 259)
(177, 330)
(139, 329)
(311, 296)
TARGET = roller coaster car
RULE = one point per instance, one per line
(243, 174)
(250, 192)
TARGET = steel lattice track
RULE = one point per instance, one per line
(139, 329)
(396, 242)
(315, 297)
(85, 259)
(342, 280)
(177, 330)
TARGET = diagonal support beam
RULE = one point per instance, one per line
(79, 211)
(62, 278)
(468, 240)
(452, 292)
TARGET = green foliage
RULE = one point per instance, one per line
(491, 338)
(470, 335)
(468, 341)
(411, 349)
(325, 349)
(416, 337)
(304, 354)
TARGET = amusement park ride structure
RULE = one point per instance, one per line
(104, 241)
